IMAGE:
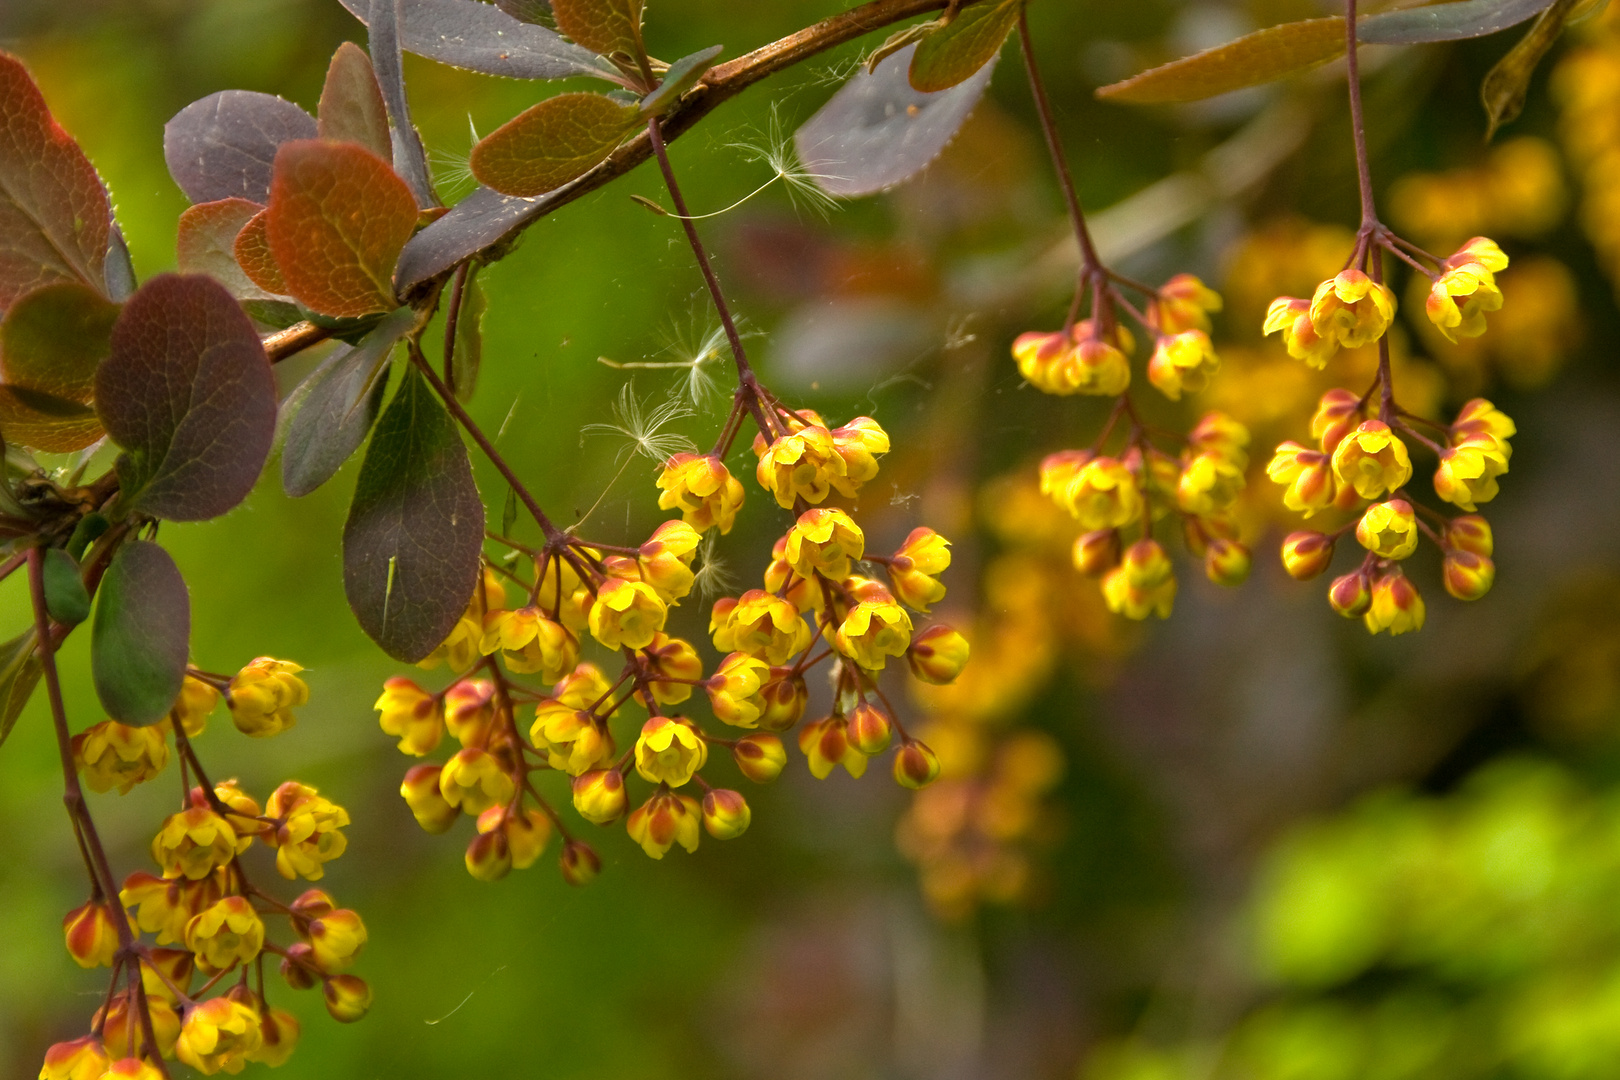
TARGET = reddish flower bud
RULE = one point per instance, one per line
(784, 699)
(725, 813)
(599, 796)
(489, 856)
(869, 731)
(91, 937)
(313, 903)
(938, 655)
(915, 766)
(298, 966)
(80, 1059)
(1467, 576)
(1306, 554)
(1096, 552)
(1351, 595)
(1470, 533)
(1227, 562)
(420, 790)
(347, 997)
(761, 757)
(579, 863)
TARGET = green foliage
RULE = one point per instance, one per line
(551, 143)
(951, 53)
(141, 636)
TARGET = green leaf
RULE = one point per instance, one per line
(416, 527)
(352, 108)
(549, 144)
(189, 395)
(20, 668)
(1505, 85)
(65, 595)
(339, 407)
(682, 75)
(602, 26)
(1253, 59)
(469, 354)
(1446, 22)
(140, 638)
(953, 52)
(51, 343)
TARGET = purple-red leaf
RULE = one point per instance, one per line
(602, 26)
(547, 145)
(223, 146)
(878, 131)
(141, 637)
(416, 527)
(483, 218)
(409, 158)
(55, 220)
(251, 250)
(338, 218)
(51, 343)
(188, 394)
(481, 37)
(352, 108)
(206, 244)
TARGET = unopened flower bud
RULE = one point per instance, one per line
(938, 655)
(1396, 605)
(869, 731)
(336, 938)
(1467, 576)
(132, 1068)
(91, 937)
(297, 966)
(1351, 594)
(81, 1059)
(347, 997)
(761, 757)
(489, 855)
(784, 698)
(1470, 533)
(599, 796)
(579, 863)
(313, 903)
(915, 765)
(420, 790)
(1096, 552)
(1227, 562)
(278, 1037)
(1306, 554)
(725, 813)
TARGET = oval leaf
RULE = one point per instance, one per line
(529, 11)
(51, 343)
(682, 75)
(20, 668)
(206, 244)
(66, 598)
(878, 131)
(416, 527)
(251, 249)
(223, 146)
(337, 220)
(481, 37)
(482, 219)
(954, 52)
(189, 395)
(1446, 22)
(408, 155)
(549, 144)
(55, 218)
(352, 108)
(339, 408)
(1253, 59)
(602, 26)
(140, 638)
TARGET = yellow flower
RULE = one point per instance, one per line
(219, 1034)
(669, 750)
(823, 541)
(530, 642)
(1337, 414)
(1351, 594)
(1101, 493)
(489, 855)
(81, 1059)
(1143, 584)
(938, 655)
(278, 1037)
(197, 699)
(1227, 562)
(583, 687)
(784, 697)
(801, 464)
(1352, 309)
(227, 933)
(1182, 363)
(307, 835)
(763, 625)
(703, 489)
(111, 755)
(163, 906)
(1396, 605)
(474, 781)
(1389, 529)
(804, 592)
(1372, 460)
(664, 820)
(915, 765)
(1467, 575)
(599, 795)
(914, 570)
(1040, 355)
(411, 715)
(263, 694)
(673, 665)
(1210, 483)
(420, 790)
(1477, 286)
(131, 1068)
(336, 938)
(1480, 417)
(825, 745)
(735, 689)
(562, 592)
(627, 613)
(1292, 316)
(1184, 303)
(526, 837)
(1307, 476)
(469, 710)
(347, 997)
(1306, 554)
(91, 937)
(193, 843)
(1470, 532)
(1217, 433)
(1098, 365)
(1480, 250)
(760, 757)
(725, 813)
(1468, 470)
(860, 443)
(573, 739)
(868, 729)
(665, 560)
(873, 631)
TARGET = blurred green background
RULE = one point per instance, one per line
(1280, 849)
